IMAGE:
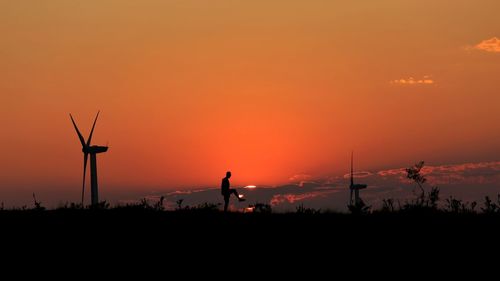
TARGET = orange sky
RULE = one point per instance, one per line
(268, 89)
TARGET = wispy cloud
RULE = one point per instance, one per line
(410, 81)
(292, 198)
(489, 45)
(299, 177)
(359, 174)
(471, 173)
(391, 172)
(466, 173)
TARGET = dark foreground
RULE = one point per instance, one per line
(205, 228)
(203, 237)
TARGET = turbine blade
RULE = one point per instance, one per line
(85, 156)
(92, 131)
(82, 140)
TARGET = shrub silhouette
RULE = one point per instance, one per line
(262, 208)
(300, 209)
(103, 205)
(359, 208)
(388, 206)
(179, 204)
(158, 206)
(70, 206)
(207, 207)
(38, 204)
(425, 201)
(490, 207)
(454, 205)
(413, 173)
(145, 204)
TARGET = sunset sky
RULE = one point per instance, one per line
(273, 90)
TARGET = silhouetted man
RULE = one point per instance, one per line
(226, 191)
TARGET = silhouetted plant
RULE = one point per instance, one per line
(300, 209)
(179, 204)
(359, 208)
(457, 206)
(424, 200)
(413, 173)
(388, 205)
(38, 204)
(159, 205)
(103, 205)
(490, 207)
(261, 208)
(207, 207)
(68, 206)
(432, 198)
(144, 203)
(76, 206)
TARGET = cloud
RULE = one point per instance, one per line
(300, 177)
(426, 80)
(292, 198)
(392, 172)
(359, 174)
(480, 173)
(466, 173)
(489, 45)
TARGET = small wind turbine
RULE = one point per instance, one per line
(355, 187)
(93, 151)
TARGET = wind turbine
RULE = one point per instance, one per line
(355, 187)
(93, 151)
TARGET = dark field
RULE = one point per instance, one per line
(216, 229)
(194, 242)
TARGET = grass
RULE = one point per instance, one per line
(204, 234)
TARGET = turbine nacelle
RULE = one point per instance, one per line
(358, 186)
(95, 149)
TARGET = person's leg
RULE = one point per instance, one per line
(233, 191)
(226, 202)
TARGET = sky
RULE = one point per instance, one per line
(272, 90)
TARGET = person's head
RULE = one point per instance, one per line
(228, 174)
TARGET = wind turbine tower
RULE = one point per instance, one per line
(93, 150)
(355, 187)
